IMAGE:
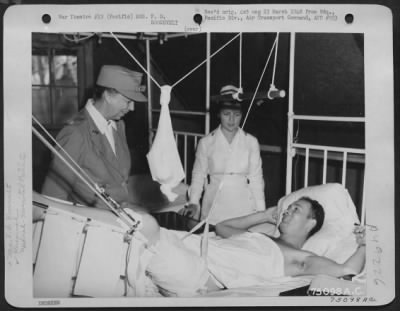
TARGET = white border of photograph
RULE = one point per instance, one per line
(375, 22)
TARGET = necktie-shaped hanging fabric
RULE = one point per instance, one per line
(111, 127)
(163, 157)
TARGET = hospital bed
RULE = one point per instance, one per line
(72, 244)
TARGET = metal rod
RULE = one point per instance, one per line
(240, 59)
(344, 169)
(55, 151)
(333, 155)
(208, 79)
(82, 171)
(325, 118)
(363, 214)
(306, 167)
(135, 37)
(185, 112)
(269, 148)
(324, 166)
(290, 150)
(330, 148)
(185, 155)
(183, 133)
(149, 90)
(116, 210)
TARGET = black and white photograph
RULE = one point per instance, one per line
(198, 155)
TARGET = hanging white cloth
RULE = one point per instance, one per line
(163, 157)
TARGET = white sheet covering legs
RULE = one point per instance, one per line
(78, 256)
(176, 270)
(60, 242)
(247, 259)
(102, 264)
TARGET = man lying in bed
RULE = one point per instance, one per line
(239, 258)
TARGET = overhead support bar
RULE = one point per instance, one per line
(289, 151)
(149, 97)
(208, 77)
(152, 36)
(325, 118)
(184, 112)
(329, 148)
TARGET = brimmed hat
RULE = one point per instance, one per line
(125, 81)
(229, 97)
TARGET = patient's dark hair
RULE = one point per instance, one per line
(316, 212)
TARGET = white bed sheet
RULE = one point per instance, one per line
(268, 289)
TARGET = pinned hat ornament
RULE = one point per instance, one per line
(230, 97)
(126, 82)
(230, 90)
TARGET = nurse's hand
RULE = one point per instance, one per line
(192, 211)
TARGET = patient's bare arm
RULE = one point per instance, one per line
(359, 232)
(299, 262)
(241, 224)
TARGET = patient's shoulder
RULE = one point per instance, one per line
(265, 228)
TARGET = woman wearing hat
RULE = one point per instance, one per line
(228, 166)
(95, 139)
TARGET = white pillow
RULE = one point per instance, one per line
(335, 239)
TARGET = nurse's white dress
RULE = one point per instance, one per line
(235, 168)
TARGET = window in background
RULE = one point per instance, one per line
(54, 86)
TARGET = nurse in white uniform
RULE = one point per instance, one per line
(227, 167)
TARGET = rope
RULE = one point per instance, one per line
(276, 55)
(211, 56)
(259, 82)
(204, 239)
(205, 220)
(186, 75)
(134, 58)
(38, 135)
(204, 243)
